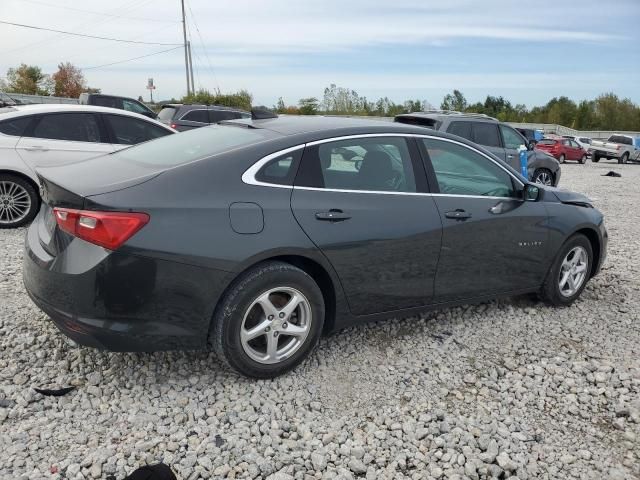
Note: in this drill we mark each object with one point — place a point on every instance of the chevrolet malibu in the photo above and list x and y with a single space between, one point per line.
254 237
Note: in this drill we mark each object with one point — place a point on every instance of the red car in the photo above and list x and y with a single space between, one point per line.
562 149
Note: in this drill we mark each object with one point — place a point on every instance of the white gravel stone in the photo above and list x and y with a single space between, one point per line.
509 388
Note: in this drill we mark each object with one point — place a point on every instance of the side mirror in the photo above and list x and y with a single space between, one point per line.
531 192
531 146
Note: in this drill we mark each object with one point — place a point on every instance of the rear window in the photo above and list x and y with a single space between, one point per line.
166 114
192 145
15 126
547 141
111 102
216 116
200 116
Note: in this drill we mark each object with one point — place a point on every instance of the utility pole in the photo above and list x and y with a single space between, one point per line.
186 54
193 84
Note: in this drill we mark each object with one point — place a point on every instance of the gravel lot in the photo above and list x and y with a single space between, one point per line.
506 389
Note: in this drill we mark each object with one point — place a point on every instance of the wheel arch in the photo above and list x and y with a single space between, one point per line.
328 284
594 240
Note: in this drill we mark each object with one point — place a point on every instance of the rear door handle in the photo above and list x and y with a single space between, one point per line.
333 215
36 148
458 214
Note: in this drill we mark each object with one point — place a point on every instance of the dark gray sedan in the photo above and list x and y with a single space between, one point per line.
255 237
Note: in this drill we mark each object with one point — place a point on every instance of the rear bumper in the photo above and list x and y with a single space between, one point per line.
121 302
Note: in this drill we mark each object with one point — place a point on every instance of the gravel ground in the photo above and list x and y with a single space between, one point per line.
509 389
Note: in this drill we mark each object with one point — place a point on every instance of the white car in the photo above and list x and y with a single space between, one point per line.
33 136
584 142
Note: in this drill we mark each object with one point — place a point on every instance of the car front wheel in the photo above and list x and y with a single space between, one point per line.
543 176
562 158
269 320
583 159
19 201
569 273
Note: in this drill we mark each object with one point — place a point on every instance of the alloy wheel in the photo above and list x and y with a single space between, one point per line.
573 271
15 202
276 325
544 178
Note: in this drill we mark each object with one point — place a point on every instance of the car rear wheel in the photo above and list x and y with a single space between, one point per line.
19 201
269 320
624 158
562 158
595 158
569 273
583 159
543 176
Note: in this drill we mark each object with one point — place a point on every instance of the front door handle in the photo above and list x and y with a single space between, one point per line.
333 215
36 148
458 214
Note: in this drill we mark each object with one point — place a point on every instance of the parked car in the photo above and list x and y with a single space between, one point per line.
256 240
114 101
532 136
584 142
563 149
623 148
33 136
499 138
186 117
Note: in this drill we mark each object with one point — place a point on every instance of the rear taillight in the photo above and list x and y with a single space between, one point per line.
107 229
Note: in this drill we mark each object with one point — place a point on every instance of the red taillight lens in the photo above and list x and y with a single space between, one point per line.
107 229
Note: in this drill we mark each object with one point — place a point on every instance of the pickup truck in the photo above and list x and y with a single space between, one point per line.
623 148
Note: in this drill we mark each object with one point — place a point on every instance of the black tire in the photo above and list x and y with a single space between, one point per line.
562 158
541 173
34 199
230 312
583 159
595 158
550 292
624 158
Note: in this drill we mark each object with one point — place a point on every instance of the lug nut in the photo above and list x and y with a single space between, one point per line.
284 325
268 329
281 315
275 334
270 317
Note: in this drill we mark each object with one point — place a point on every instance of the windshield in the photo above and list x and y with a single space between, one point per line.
193 145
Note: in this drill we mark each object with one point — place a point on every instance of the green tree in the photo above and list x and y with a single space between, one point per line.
308 106
454 101
241 99
28 79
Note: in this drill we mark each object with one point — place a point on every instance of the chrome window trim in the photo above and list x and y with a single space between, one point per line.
248 177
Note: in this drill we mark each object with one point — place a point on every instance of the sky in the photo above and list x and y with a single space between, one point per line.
527 52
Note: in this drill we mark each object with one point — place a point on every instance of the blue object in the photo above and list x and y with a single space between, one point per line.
524 163
538 135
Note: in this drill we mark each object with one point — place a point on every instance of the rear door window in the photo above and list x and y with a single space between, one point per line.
15 126
131 131
379 164
486 134
199 116
74 127
461 129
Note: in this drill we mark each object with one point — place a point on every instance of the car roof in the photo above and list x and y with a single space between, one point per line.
19 110
299 124
442 114
194 106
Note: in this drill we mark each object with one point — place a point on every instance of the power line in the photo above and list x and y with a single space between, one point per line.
204 49
87 36
135 58
93 12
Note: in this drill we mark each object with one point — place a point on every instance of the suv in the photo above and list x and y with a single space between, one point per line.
185 117
496 137
114 101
